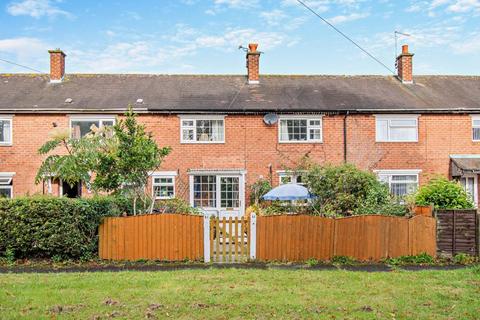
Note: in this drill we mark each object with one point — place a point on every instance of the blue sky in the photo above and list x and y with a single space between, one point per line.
202 36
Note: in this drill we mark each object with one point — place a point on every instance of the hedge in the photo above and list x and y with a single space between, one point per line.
58 228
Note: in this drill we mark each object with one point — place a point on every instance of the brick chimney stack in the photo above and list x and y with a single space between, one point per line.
253 64
405 65
57 65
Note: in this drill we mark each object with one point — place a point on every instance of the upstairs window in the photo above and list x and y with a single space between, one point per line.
202 130
400 183
81 126
163 186
5 131
6 189
296 129
397 128
476 128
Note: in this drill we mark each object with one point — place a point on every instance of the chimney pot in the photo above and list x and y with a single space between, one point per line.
405 65
57 65
253 64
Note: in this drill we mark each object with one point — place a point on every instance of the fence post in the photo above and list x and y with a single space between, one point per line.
206 238
253 236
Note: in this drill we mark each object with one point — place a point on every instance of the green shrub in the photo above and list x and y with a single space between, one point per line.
343 260
175 205
463 258
443 194
258 190
422 258
347 190
46 227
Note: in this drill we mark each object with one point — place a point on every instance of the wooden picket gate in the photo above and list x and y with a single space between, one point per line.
229 240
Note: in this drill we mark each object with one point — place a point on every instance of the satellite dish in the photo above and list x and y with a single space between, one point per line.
270 118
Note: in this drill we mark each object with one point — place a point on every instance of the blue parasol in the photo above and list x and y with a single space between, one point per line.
289 191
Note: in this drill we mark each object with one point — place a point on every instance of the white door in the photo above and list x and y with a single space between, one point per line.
218 195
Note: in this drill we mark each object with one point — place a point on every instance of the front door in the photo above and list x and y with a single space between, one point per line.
219 195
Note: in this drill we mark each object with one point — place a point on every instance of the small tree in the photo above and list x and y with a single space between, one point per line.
443 194
114 159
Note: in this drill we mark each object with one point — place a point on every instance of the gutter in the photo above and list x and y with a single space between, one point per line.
253 112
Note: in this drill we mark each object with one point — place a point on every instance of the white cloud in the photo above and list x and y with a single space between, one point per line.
274 17
236 3
232 38
23 46
468 46
36 9
347 18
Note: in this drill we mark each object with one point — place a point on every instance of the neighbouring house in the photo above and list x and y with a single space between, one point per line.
228 131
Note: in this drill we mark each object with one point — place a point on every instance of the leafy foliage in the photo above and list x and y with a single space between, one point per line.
175 205
347 190
114 159
422 258
258 190
46 227
443 194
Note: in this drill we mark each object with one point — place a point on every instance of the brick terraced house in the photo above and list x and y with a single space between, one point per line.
228 131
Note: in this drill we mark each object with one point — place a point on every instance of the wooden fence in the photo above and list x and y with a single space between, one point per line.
371 237
457 232
168 237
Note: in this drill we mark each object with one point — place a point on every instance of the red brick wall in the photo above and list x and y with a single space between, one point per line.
253 146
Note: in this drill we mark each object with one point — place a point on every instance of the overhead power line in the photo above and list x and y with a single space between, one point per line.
345 36
20 65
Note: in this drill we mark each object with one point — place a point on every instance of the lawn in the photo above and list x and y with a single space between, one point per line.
242 294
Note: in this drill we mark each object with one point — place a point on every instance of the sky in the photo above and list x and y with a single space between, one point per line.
203 36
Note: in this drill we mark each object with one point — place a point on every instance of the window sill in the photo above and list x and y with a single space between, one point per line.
6 144
202 142
403 141
301 142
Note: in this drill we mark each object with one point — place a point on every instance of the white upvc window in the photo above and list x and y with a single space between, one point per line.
82 125
202 129
6 130
400 182
6 188
285 177
396 128
476 128
300 129
470 183
163 185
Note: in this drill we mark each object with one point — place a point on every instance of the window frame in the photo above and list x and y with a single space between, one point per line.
475 118
8 185
165 174
292 174
9 119
196 118
99 118
309 127
395 172
390 118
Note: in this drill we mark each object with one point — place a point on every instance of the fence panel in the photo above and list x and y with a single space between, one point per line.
457 231
369 237
169 237
294 238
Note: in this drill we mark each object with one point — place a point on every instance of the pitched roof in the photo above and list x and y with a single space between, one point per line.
231 94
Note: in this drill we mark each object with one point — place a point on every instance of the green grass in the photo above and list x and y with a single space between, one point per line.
242 294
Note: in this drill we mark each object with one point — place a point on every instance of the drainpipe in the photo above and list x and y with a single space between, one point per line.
345 137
